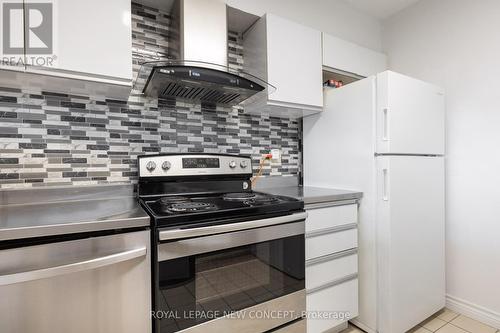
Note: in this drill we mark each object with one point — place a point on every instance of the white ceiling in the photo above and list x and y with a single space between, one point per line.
381 9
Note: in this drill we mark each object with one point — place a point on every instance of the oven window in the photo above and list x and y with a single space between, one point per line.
202 287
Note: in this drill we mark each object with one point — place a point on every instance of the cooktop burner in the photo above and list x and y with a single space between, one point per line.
172 200
239 196
190 207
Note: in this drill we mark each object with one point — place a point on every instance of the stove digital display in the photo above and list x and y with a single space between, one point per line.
200 163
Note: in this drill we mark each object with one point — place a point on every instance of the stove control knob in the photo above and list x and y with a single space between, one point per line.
232 164
151 166
243 164
166 165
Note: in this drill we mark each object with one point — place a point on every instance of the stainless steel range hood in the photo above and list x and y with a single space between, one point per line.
202 73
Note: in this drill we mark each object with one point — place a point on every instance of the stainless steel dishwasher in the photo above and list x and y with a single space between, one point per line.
98 284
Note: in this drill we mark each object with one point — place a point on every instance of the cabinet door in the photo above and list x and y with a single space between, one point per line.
352 58
294 62
410 116
11 35
92 38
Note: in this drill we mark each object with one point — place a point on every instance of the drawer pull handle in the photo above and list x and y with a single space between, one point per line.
332 283
332 256
331 230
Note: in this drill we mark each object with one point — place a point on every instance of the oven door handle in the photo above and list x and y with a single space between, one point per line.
223 228
186 247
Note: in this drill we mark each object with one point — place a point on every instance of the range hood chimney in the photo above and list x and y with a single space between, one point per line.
203 30
202 73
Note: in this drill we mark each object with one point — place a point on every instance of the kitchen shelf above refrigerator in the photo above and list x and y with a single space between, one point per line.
331 74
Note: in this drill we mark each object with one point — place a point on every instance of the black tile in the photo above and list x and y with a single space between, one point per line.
73 119
9 160
9 176
56 151
8 99
5 114
97 147
48 93
32 145
74 160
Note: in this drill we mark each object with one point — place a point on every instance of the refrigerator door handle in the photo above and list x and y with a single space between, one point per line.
385 124
385 175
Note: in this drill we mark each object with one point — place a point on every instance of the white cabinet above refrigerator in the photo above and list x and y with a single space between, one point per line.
288 56
341 55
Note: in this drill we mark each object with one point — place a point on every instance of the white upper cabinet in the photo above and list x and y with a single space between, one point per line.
288 56
71 46
294 62
351 58
11 35
92 39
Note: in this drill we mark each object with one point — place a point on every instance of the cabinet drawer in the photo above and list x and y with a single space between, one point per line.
321 245
329 217
326 269
330 307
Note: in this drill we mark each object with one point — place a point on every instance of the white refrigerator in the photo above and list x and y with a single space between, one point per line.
385 136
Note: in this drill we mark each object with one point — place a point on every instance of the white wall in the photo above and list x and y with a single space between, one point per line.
331 16
456 44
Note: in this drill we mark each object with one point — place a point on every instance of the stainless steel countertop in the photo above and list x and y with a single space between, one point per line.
66 211
314 195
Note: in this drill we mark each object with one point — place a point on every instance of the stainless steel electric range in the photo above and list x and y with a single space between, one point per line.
226 258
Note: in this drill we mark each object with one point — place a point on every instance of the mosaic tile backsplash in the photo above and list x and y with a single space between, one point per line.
48 138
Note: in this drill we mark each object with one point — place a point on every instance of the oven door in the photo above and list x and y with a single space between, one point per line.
249 280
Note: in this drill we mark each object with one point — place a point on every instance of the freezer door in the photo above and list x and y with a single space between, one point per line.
410 116
411 240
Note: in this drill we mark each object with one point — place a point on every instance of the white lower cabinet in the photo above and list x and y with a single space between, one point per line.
331 265
330 217
326 244
325 270
331 305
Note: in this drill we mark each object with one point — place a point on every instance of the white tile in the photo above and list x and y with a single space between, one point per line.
433 324
449 328
446 315
472 325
